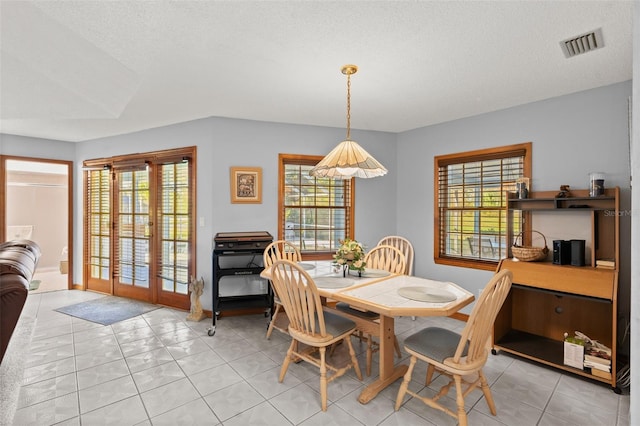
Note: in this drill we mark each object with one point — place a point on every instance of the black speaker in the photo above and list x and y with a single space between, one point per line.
561 252
577 252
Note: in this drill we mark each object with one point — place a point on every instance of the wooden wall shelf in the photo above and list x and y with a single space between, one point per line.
548 300
573 203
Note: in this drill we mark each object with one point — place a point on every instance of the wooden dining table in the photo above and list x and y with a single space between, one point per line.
377 292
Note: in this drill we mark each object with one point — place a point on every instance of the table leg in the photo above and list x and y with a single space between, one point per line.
388 373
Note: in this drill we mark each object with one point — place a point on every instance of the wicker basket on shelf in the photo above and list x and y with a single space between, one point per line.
529 253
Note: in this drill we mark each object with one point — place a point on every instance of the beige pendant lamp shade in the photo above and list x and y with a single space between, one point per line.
348 159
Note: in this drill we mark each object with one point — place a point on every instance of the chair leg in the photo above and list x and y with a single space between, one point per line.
430 370
397 346
287 360
323 378
462 414
354 359
405 383
487 392
273 320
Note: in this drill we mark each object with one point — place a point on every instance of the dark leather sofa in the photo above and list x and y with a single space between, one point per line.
18 261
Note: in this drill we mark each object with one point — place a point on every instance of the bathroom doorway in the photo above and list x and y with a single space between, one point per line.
36 200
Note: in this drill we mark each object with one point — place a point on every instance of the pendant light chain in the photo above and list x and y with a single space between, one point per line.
348 106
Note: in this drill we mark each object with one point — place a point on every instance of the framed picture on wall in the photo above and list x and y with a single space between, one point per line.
246 185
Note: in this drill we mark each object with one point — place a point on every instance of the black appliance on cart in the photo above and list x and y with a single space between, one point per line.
237 264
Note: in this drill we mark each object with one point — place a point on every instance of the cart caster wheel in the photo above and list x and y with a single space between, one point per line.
211 331
494 352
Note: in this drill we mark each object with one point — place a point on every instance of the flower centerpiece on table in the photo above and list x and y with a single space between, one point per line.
350 254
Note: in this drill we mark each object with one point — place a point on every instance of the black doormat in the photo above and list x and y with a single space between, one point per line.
107 310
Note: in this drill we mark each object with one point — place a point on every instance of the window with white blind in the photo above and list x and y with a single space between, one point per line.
98 213
175 216
470 199
313 213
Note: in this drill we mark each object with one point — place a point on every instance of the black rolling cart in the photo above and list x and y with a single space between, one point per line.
237 264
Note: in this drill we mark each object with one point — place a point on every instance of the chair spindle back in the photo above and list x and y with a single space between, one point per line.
477 332
404 246
300 299
387 258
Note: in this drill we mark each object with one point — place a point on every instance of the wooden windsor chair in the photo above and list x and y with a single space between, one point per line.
458 356
311 325
279 250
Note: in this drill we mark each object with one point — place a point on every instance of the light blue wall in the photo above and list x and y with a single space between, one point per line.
222 143
572 135
21 146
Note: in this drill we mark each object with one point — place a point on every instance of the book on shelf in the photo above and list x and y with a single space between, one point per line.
597 366
573 352
597 359
600 373
605 263
598 351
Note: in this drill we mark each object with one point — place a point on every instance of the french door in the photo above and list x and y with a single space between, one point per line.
133 225
139 226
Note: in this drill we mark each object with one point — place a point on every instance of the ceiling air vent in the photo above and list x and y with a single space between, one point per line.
583 43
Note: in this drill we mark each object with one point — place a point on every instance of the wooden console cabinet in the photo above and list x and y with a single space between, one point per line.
547 300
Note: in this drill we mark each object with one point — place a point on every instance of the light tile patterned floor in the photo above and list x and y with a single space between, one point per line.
159 369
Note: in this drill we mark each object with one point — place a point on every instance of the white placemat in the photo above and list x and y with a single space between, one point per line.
306 266
333 282
426 294
375 273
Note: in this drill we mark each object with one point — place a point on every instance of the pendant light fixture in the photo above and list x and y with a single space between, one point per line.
348 159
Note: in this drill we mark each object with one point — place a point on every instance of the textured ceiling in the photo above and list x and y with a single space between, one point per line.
80 70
